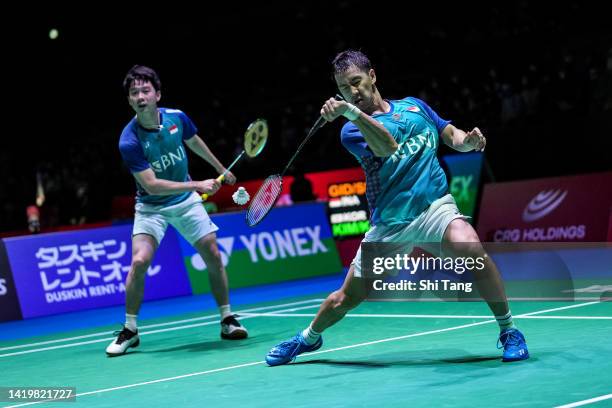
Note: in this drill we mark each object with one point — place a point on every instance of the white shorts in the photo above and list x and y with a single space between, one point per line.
189 218
428 227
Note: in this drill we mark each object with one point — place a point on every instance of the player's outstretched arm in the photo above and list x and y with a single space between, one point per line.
464 141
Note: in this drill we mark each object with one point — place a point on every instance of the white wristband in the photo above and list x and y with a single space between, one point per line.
352 113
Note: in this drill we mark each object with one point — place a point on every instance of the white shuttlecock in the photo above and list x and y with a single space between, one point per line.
241 197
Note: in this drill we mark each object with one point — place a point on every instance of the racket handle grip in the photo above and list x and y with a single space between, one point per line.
220 180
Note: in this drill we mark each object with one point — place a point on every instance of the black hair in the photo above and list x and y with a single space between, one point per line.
344 60
142 73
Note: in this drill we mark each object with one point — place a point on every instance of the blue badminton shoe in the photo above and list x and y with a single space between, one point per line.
513 343
287 351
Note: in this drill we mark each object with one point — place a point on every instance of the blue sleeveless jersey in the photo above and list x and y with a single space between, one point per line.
160 150
403 185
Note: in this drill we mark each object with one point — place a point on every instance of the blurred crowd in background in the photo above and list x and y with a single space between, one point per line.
535 78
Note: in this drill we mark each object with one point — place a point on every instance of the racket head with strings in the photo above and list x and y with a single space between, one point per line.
264 200
271 189
255 137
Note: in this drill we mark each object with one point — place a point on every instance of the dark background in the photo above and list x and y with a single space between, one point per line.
536 79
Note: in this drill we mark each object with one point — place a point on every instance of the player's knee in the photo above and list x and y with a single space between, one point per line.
212 257
462 240
470 236
140 264
213 252
459 231
335 298
207 247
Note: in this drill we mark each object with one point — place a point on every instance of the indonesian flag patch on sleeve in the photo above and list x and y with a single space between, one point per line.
173 129
413 109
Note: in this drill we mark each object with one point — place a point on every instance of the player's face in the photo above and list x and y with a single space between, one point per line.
143 96
357 87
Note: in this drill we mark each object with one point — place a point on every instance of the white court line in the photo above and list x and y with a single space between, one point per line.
585 402
407 336
445 330
209 323
569 317
272 314
557 308
412 316
105 333
511 299
525 315
189 326
122 387
316 352
556 299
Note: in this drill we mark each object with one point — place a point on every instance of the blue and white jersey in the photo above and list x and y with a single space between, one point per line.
161 150
403 185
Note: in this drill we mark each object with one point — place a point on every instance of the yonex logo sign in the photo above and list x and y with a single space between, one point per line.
294 242
543 204
269 246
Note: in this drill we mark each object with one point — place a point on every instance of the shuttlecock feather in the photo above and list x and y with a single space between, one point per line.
241 197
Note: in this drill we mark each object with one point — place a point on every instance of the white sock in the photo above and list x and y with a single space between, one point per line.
505 321
310 336
130 322
224 311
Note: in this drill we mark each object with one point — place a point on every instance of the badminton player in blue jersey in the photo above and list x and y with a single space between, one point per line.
395 141
153 148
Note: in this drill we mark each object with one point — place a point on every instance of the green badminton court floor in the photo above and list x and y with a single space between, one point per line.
385 354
